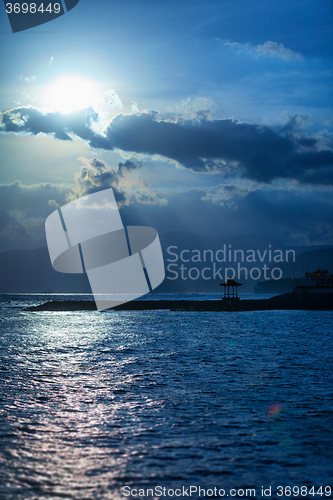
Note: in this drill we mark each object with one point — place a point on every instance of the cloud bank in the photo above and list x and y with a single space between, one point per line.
292 216
255 152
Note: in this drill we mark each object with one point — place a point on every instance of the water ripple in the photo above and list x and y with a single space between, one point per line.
91 402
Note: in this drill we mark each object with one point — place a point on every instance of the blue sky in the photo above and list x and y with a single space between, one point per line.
212 117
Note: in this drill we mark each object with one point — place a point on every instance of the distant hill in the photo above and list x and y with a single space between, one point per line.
264 250
305 262
309 261
245 241
31 270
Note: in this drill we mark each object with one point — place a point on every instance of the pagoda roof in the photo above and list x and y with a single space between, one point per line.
231 282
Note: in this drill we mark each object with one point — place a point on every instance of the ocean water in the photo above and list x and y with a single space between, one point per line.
121 404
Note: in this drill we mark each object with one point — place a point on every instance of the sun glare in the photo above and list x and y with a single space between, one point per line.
70 93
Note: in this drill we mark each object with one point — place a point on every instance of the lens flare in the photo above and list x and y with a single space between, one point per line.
274 410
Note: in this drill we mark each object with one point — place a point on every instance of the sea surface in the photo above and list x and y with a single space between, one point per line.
121 404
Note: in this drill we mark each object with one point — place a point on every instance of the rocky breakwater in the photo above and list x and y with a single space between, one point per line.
287 301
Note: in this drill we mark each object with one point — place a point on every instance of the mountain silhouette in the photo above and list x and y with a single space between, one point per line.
31 270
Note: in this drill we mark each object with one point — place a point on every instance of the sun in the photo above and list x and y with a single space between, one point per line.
70 93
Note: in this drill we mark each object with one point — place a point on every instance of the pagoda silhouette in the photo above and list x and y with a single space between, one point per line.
233 293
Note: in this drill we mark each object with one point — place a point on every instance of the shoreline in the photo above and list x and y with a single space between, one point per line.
286 301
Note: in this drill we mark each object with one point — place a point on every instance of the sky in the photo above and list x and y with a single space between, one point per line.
206 116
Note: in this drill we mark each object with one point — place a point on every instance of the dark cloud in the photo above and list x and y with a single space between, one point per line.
292 216
23 210
34 121
4 219
33 199
260 153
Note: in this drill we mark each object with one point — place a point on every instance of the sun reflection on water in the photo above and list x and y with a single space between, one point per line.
94 401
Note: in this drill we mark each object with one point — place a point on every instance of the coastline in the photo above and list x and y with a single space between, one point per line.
286 301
